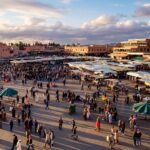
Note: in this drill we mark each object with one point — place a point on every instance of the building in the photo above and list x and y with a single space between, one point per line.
7 51
36 48
94 50
44 50
10 51
134 49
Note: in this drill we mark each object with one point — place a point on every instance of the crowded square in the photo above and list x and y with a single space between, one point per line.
61 105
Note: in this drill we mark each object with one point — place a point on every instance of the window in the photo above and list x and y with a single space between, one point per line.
11 51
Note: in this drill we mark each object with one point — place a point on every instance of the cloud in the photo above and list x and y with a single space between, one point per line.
67 1
100 21
143 10
59 32
34 21
30 7
129 24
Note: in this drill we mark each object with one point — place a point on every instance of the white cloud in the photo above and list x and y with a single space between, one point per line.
100 21
30 7
34 30
127 23
34 21
147 5
143 10
67 1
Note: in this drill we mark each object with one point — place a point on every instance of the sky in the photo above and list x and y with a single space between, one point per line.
74 21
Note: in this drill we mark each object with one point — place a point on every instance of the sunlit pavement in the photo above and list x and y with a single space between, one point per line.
89 139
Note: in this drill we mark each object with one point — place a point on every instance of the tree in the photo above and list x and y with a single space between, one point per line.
38 43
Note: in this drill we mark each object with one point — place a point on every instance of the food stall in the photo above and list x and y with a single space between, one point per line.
112 83
147 86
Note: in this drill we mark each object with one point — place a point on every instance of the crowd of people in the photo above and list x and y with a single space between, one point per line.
106 111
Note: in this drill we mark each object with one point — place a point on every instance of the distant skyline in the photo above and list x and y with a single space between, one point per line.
74 21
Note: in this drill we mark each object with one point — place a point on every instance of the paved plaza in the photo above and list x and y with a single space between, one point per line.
89 139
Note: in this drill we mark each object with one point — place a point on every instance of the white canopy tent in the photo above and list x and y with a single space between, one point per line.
134 74
139 74
93 66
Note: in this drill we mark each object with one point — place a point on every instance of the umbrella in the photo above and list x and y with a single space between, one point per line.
142 108
8 92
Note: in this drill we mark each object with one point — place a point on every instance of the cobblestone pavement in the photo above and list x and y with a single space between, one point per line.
89 139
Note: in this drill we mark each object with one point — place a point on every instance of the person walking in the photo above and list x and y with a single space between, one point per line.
116 137
35 126
14 112
85 113
27 132
138 137
57 95
75 136
98 124
17 99
110 118
123 126
30 147
73 124
15 140
135 137
47 139
26 124
119 125
29 140
131 122
52 137
30 124
110 139
48 97
88 114
82 86
64 81
112 130
47 89
60 123
40 128
11 125
22 99
46 103
19 145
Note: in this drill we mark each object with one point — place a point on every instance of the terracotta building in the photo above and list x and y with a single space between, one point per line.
44 50
10 51
132 49
88 50
37 48
5 51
